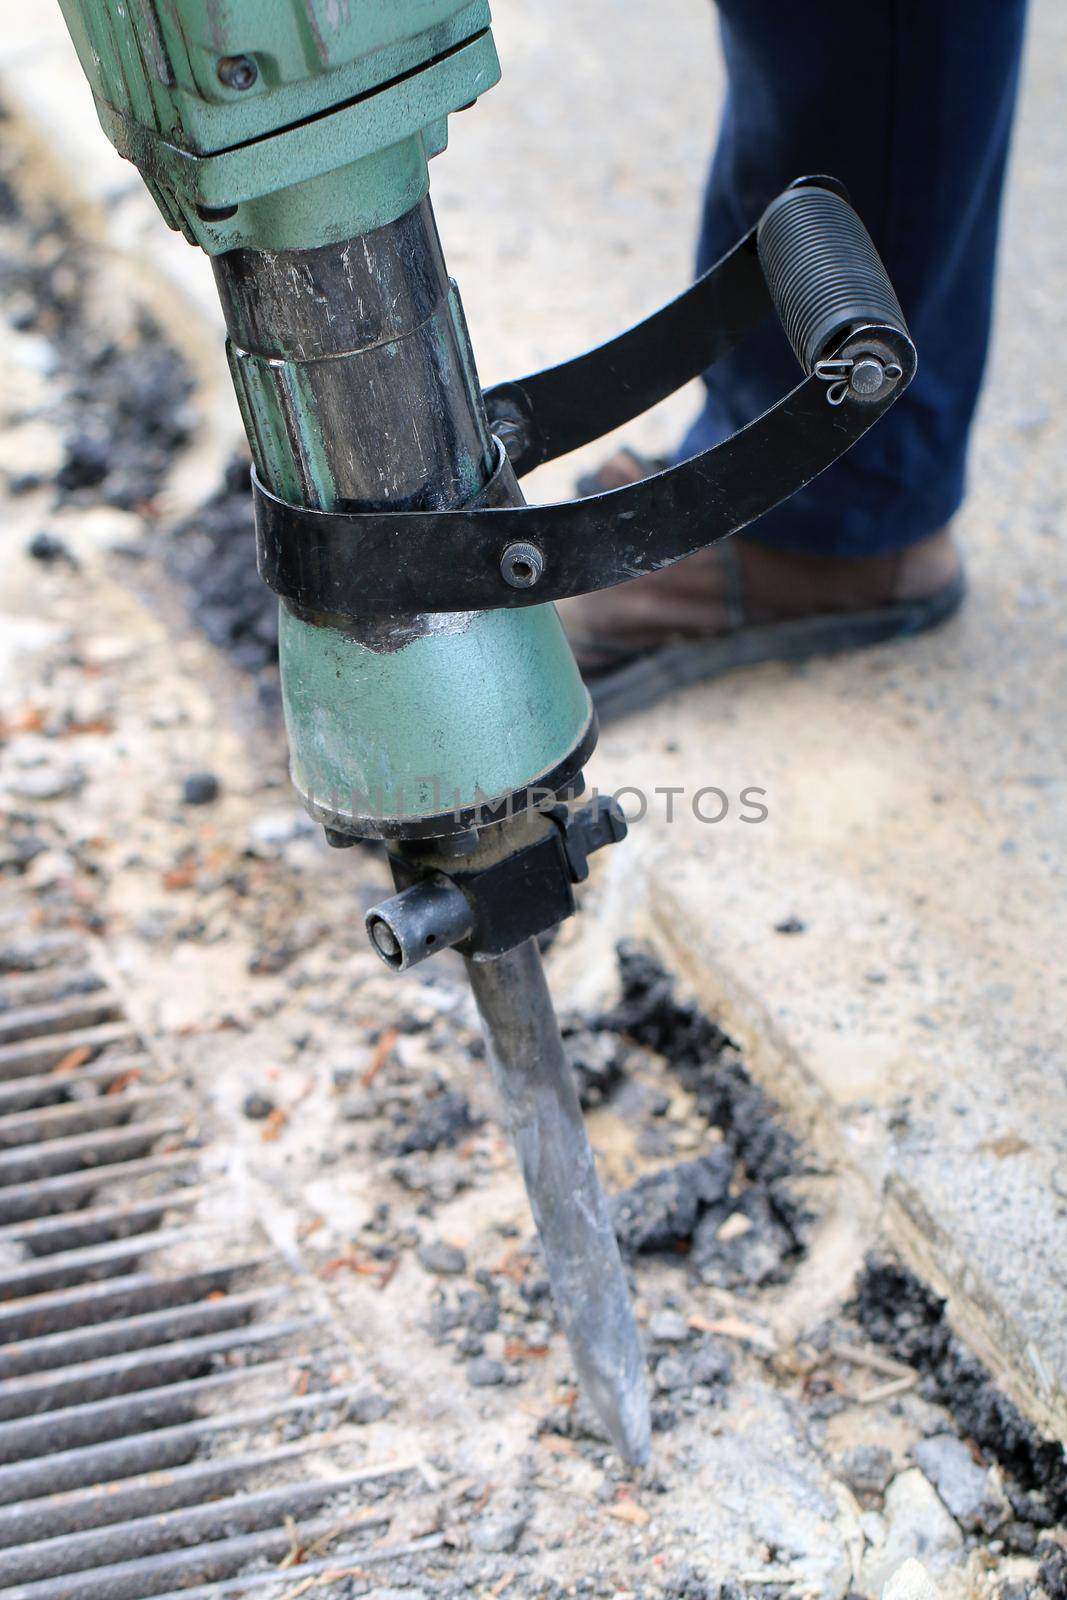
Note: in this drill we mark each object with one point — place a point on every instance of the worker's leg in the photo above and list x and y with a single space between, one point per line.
909 102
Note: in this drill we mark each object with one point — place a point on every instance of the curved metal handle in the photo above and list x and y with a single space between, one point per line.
811 259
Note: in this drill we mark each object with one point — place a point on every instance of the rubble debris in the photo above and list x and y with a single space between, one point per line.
49 549
1052 1573
867 1469
917 1525
46 781
257 1107
969 1490
366 1408
437 1120
200 789
910 1581
668 1327
709 1365
214 553
897 1311
596 1057
497 1535
483 1372
732 1212
444 1259
664 1207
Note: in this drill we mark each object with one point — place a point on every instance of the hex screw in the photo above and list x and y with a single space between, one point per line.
237 72
511 435
867 376
521 565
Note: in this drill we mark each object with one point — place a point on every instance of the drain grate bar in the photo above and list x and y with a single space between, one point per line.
66 1268
44 950
58 1156
141 1579
162 1448
151 1493
97 1420
50 1088
142 1369
95 1302
131 1333
191 1525
49 984
95 1225
48 1123
47 1195
292 1577
27 1057
60 1016
168 1404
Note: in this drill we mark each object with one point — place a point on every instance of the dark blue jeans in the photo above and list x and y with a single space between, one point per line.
910 103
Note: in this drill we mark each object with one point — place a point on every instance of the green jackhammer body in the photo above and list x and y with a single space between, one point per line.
290 139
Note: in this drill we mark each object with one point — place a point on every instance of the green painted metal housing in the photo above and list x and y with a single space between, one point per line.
345 103
453 719
349 101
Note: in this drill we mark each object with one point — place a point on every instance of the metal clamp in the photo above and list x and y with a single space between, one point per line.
487 556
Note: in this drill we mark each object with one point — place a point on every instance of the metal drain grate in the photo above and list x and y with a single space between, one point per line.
168 1422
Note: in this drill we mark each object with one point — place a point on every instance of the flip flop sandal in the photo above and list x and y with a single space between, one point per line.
632 681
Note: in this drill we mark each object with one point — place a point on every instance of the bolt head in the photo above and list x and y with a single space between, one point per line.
867 376
521 565
511 436
237 72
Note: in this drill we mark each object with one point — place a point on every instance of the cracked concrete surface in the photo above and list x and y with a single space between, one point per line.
916 795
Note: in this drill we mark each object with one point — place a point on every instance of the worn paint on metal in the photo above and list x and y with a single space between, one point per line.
350 100
480 707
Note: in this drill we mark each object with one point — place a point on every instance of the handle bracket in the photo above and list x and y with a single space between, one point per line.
846 327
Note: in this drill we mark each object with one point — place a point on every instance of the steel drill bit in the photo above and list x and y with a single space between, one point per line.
544 1118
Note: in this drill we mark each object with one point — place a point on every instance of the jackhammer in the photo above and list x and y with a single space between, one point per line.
431 698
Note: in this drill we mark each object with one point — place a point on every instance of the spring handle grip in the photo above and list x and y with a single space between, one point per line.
823 272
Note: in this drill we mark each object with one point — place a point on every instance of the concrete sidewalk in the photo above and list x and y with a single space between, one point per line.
888 943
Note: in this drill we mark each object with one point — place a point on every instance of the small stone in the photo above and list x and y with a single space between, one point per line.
672 1373
867 1469
668 1327
917 1524
86 463
789 925
910 1581
257 1107
200 788
970 1491
48 549
49 867
46 783
273 830
369 1407
711 1364
735 1227
485 1373
497 1534
360 1106
444 1259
